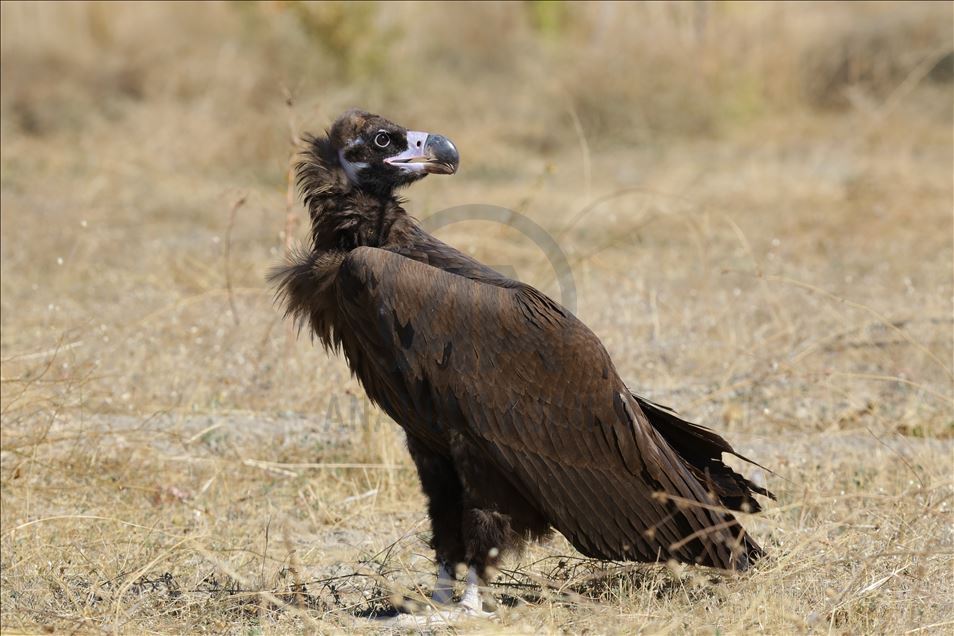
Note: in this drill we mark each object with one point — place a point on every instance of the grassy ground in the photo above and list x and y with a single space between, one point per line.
757 205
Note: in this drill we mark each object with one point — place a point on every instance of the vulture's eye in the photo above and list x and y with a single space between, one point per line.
382 140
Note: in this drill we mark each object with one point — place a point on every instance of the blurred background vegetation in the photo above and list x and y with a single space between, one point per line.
505 73
130 129
756 200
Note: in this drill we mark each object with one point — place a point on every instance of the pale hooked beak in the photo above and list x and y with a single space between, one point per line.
430 154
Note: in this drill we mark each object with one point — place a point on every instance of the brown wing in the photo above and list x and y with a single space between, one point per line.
534 389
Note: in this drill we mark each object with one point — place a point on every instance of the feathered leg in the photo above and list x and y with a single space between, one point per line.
444 494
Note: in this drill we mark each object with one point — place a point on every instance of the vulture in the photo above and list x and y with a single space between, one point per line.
516 418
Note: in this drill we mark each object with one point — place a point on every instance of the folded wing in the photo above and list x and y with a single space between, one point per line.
535 393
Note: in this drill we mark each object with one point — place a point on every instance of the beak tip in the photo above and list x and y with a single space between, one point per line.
443 152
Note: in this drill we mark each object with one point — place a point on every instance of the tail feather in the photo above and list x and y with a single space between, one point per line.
702 450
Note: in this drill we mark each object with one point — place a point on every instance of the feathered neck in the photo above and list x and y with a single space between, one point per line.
343 216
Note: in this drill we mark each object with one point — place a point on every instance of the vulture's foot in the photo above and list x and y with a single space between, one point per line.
471 602
444 588
443 612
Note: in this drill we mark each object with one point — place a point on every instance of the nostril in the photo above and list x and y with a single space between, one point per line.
419 143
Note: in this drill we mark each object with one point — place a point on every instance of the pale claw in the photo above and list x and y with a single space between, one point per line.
471 605
471 599
433 618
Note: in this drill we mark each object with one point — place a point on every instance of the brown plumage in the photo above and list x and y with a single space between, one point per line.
515 415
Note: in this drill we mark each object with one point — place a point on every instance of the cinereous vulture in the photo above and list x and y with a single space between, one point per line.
515 416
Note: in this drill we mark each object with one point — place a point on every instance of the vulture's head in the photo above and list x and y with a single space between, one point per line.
377 155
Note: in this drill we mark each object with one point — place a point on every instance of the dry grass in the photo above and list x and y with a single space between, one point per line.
757 203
